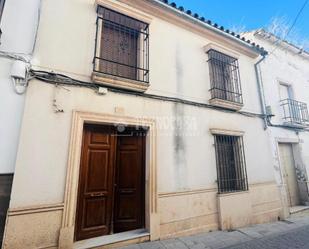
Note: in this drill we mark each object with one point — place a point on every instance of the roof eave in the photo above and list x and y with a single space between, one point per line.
214 28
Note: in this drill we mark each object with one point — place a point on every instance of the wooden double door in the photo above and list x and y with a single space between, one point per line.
111 195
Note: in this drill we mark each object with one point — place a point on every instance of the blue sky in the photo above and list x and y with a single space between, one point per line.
248 15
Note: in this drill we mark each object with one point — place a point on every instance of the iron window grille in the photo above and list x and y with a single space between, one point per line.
231 165
295 112
224 77
122 46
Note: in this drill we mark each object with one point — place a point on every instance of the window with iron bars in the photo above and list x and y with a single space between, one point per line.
122 46
231 165
224 77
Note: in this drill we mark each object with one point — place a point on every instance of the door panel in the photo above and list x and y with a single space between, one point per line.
130 181
289 173
95 196
95 212
111 194
98 165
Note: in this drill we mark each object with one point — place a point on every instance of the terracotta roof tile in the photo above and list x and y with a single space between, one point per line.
209 22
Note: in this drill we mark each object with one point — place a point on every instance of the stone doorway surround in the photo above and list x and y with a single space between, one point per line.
298 162
66 237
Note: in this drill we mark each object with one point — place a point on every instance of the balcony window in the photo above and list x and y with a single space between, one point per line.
122 46
231 166
294 112
224 77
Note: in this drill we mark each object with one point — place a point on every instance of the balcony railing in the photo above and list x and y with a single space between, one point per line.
295 112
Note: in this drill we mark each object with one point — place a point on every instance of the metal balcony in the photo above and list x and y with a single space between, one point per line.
295 113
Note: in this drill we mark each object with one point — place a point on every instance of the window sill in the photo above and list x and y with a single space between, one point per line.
295 125
239 192
118 82
226 104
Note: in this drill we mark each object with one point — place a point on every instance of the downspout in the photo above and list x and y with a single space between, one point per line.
267 122
261 90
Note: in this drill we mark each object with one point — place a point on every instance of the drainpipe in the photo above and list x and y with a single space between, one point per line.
261 90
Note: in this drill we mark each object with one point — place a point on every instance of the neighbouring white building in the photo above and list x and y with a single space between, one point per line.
18 22
285 83
142 121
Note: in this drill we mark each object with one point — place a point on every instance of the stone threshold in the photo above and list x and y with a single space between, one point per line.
110 239
298 209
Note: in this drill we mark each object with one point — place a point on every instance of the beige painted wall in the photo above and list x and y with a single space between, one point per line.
178 68
186 164
43 149
262 204
36 227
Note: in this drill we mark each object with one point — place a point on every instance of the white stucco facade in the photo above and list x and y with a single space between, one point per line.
183 175
285 65
18 36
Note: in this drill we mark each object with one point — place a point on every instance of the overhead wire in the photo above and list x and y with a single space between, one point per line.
276 44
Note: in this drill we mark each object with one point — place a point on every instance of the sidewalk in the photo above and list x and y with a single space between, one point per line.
291 233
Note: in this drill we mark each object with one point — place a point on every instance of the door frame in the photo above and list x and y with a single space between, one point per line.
282 186
298 162
79 118
293 141
283 170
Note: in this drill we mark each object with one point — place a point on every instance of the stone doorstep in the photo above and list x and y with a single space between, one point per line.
110 239
298 209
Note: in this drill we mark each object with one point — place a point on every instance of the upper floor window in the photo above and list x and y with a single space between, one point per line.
224 77
231 165
286 91
122 46
294 112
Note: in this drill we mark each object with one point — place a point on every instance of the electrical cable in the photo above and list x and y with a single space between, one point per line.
60 79
290 29
297 16
15 56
